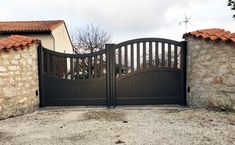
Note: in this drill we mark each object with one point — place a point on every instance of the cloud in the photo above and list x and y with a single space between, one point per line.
4 14
125 19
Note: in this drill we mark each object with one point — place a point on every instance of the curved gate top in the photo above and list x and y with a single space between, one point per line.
134 72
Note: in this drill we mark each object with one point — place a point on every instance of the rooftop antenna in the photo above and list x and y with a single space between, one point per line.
186 22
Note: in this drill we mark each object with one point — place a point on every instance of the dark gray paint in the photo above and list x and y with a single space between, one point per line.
154 84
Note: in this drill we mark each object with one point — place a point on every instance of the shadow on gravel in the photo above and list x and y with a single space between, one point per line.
104 115
167 111
6 136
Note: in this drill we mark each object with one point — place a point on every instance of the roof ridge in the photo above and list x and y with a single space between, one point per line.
17 41
32 21
28 26
213 34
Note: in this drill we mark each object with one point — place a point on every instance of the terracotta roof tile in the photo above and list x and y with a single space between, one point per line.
16 42
18 26
212 34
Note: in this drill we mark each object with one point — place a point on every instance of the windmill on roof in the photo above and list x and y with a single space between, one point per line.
186 22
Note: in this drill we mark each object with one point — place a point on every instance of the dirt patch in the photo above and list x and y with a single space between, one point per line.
104 115
167 111
5 136
73 138
2 134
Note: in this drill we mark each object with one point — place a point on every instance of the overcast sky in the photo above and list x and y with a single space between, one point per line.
125 19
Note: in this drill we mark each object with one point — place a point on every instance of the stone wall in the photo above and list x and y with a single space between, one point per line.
211 74
18 81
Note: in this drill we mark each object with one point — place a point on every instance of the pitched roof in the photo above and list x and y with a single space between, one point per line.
29 26
17 42
212 34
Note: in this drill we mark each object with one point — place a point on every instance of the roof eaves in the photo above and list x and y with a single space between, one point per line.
60 22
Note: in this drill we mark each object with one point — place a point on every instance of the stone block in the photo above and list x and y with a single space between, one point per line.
3 69
22 62
5 74
17 56
233 65
218 80
230 80
1 100
6 55
22 100
29 61
233 107
18 78
1 82
226 89
223 68
196 46
8 92
12 82
12 68
5 62
15 62
18 72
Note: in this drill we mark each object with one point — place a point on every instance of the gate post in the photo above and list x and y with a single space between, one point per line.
110 75
183 65
40 75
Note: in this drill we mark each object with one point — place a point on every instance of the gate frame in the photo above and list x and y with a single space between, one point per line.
41 75
111 101
110 76
111 79
183 72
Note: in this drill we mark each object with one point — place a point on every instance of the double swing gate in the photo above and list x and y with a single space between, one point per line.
137 72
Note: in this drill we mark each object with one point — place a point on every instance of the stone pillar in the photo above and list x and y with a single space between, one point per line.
18 81
210 74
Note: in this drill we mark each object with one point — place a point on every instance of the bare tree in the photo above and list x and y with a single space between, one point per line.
89 39
231 4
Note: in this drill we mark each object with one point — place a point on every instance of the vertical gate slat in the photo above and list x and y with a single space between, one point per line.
150 55
101 65
163 54
138 56
175 56
71 68
156 55
132 58
120 61
144 55
126 61
60 66
77 68
89 67
51 65
55 65
83 68
95 66
65 68
48 63
169 55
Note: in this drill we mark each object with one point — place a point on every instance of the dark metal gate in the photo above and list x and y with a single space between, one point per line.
135 72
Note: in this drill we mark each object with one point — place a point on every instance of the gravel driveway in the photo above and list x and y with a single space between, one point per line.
148 125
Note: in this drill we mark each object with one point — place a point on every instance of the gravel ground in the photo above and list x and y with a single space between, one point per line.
123 125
